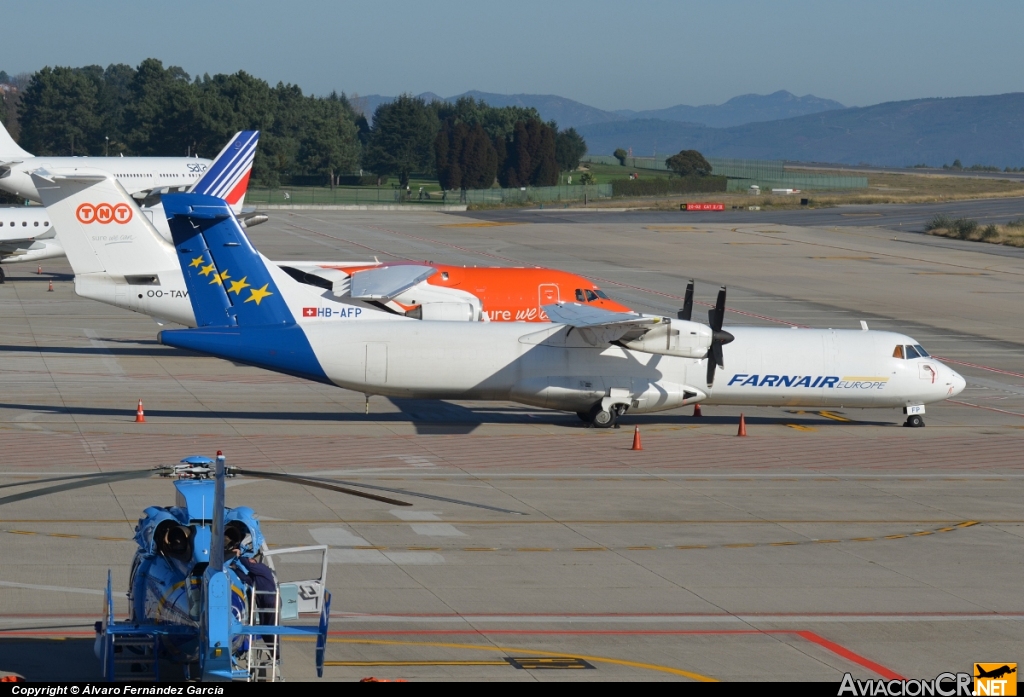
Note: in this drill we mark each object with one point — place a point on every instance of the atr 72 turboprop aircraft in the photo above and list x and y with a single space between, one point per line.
26 233
590 361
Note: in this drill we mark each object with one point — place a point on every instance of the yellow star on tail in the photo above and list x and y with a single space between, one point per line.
207 270
197 261
220 277
237 286
258 294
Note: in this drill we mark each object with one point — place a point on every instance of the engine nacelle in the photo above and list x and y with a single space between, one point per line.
37 251
445 312
674 338
580 393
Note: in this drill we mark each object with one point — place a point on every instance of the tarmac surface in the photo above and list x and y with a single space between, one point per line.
824 542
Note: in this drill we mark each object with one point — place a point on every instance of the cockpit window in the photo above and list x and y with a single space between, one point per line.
579 296
591 297
601 294
920 350
897 352
912 352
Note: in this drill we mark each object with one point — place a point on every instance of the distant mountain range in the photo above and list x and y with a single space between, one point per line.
986 130
976 130
747 108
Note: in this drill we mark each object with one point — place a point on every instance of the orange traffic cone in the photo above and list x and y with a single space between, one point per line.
140 416
39 270
636 439
696 410
743 427
50 289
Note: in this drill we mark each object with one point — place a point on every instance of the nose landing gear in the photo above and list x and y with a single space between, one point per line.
914 421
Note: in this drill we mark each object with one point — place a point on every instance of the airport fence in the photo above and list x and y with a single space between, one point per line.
742 174
303 195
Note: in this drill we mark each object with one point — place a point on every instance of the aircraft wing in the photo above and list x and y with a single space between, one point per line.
385 282
606 326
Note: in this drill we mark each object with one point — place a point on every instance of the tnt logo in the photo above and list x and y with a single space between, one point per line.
103 213
995 679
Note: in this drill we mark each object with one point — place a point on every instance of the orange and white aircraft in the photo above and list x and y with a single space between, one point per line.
455 293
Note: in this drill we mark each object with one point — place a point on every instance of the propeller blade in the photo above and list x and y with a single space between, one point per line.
711 369
424 496
687 311
716 354
719 310
319 484
85 481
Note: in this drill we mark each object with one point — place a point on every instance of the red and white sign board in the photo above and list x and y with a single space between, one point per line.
702 206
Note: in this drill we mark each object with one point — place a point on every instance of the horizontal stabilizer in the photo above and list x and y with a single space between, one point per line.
386 282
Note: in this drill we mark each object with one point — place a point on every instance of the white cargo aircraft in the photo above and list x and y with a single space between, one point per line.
595 363
26 234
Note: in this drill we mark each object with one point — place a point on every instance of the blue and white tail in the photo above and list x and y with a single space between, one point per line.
228 176
229 282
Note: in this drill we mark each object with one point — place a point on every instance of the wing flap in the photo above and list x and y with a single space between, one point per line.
385 282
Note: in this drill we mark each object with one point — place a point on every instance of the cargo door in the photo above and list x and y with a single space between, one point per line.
376 363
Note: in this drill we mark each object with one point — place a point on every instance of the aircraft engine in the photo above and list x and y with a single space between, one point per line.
37 251
253 220
674 338
445 312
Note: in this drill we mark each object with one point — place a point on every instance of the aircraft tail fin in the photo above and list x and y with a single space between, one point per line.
9 150
238 297
229 282
228 176
100 226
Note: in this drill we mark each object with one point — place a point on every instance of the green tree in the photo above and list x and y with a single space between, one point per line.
465 156
530 159
59 114
689 163
569 149
164 116
621 156
402 138
330 141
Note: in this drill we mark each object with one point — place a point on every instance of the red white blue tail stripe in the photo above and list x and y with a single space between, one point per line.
228 176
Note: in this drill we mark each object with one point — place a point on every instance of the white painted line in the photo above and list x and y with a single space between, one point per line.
60 589
351 618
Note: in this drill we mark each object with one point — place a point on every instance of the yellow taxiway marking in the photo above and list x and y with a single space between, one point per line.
673 228
800 427
404 664
482 223
834 417
519 651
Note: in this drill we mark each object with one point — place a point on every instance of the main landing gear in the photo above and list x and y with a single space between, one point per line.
599 417
3 276
914 421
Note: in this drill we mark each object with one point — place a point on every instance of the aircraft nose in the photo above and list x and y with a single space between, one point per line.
957 382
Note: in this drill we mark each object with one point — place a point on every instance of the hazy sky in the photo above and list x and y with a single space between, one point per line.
612 54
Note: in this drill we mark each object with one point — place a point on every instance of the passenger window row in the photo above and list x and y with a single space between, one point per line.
46 223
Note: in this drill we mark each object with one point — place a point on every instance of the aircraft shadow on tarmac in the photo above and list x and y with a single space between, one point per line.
49 660
45 277
88 350
437 417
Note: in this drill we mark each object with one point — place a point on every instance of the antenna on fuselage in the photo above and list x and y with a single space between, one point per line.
217 537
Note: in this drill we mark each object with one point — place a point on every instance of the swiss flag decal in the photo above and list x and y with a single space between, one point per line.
309 312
